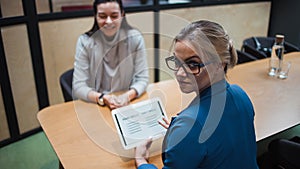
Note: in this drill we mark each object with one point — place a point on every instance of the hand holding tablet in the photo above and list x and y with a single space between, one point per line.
139 121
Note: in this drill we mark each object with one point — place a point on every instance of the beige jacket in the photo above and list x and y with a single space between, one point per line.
88 66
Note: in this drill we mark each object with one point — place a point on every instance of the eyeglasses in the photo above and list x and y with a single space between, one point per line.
189 67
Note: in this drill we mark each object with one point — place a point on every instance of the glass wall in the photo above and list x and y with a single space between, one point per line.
10 8
43 6
245 22
19 65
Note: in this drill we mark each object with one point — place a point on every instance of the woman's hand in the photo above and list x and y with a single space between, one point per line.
113 101
142 152
110 101
122 100
165 123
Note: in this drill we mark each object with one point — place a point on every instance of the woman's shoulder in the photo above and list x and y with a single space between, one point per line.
87 40
134 33
237 90
134 37
83 36
239 96
93 36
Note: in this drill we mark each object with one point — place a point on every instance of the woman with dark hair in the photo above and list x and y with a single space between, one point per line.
216 130
110 58
96 26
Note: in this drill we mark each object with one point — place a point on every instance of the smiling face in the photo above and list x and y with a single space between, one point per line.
189 82
109 17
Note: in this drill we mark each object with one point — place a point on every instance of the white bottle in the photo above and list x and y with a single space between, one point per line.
276 55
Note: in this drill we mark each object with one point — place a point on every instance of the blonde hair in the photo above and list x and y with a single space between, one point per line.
207 35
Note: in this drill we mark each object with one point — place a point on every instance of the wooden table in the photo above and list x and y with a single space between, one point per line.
83 135
276 102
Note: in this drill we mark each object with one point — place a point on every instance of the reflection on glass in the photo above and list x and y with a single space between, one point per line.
11 8
132 3
71 5
67 5
77 5
173 1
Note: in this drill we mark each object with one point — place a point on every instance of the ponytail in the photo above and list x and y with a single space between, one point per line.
233 55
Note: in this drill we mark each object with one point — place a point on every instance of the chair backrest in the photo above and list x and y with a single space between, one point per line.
66 84
253 51
288 47
261 47
244 57
262 44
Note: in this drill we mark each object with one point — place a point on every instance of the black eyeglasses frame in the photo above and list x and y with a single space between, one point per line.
174 59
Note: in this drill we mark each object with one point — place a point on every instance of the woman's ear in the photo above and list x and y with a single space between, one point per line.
220 66
223 65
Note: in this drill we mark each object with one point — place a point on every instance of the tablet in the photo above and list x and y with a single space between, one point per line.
139 121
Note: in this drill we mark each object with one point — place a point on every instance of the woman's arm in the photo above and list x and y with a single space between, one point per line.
181 149
141 74
142 155
81 75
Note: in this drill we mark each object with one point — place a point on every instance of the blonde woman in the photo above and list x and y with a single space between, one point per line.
216 130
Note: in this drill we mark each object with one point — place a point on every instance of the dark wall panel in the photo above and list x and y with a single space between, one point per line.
285 20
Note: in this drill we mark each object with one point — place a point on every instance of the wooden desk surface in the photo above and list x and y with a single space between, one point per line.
83 135
276 102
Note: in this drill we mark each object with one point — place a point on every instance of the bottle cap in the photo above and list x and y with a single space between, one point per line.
279 38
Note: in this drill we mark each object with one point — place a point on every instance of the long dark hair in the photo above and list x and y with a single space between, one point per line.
95 27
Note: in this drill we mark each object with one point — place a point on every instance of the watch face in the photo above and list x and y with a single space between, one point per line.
101 101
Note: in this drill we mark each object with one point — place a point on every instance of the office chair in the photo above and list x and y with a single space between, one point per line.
261 47
244 57
66 84
285 153
282 154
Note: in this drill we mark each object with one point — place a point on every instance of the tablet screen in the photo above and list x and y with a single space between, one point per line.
139 121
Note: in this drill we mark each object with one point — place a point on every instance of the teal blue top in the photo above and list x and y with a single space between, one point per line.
215 131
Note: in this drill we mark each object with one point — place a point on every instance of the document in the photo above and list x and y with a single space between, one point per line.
137 122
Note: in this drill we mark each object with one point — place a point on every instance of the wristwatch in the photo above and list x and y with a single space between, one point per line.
100 100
